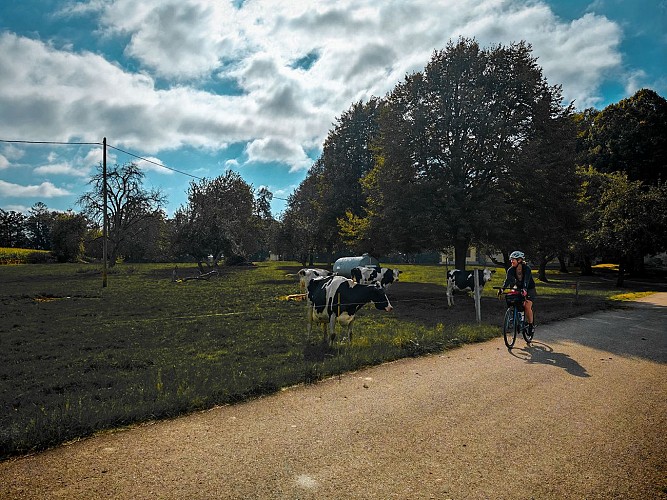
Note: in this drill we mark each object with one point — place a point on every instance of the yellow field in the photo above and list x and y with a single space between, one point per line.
17 255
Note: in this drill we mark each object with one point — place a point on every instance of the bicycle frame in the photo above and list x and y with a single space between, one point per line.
515 322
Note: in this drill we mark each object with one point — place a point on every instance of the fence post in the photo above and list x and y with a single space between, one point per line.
478 298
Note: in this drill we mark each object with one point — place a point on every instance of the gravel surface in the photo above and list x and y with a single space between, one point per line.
579 414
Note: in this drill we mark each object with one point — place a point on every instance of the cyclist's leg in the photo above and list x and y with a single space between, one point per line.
530 313
528 308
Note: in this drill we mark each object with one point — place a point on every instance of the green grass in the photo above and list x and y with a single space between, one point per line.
77 358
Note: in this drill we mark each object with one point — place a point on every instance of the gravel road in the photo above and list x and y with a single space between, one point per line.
582 413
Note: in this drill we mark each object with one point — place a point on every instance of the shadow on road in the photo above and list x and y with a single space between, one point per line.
539 352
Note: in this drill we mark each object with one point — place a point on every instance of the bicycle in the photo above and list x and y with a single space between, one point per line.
514 321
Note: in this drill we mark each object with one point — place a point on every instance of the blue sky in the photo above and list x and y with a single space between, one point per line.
203 86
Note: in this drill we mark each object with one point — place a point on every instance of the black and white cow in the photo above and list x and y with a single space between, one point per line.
367 275
458 279
306 274
337 299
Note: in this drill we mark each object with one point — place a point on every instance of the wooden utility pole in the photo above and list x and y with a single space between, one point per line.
104 208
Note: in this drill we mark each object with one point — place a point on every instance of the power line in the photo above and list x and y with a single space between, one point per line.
63 143
154 162
69 143
53 142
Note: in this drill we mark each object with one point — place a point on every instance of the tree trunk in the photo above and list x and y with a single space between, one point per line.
460 252
561 262
621 272
586 267
542 273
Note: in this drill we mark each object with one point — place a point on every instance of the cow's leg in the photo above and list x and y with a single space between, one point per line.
450 295
309 317
332 328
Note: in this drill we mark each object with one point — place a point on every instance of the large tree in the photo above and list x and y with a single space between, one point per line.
38 226
12 228
129 204
540 213
629 136
67 234
347 156
218 219
299 233
448 136
624 219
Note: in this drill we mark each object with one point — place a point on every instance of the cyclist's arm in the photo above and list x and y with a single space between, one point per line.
508 278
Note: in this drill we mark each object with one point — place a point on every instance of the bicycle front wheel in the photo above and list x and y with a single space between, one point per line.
509 328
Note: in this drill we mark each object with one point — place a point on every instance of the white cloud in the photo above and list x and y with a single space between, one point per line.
43 190
4 162
154 165
12 152
63 168
274 149
360 48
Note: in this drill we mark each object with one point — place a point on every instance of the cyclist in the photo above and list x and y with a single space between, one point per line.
519 275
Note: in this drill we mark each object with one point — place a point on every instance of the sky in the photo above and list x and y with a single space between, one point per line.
189 89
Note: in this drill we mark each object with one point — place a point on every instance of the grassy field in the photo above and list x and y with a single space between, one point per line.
76 358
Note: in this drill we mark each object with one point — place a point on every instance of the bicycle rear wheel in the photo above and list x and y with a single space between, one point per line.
509 328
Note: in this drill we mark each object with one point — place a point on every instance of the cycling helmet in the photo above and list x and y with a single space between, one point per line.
517 254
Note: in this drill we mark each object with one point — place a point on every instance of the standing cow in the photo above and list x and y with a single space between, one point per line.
307 274
337 299
458 279
367 275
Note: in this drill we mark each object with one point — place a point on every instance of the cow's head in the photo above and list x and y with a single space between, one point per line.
388 276
486 275
379 298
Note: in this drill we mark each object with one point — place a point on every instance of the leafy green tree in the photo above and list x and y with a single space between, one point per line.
38 226
624 219
12 229
218 219
346 157
67 235
299 234
448 137
541 214
129 205
149 242
629 136
263 222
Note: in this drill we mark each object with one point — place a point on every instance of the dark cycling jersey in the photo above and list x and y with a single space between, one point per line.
527 283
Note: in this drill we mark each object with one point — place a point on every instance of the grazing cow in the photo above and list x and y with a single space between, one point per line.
307 274
465 281
367 275
337 299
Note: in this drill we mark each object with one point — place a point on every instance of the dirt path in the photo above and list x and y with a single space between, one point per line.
580 414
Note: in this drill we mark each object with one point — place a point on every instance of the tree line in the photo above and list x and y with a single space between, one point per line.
475 150
224 219
478 150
